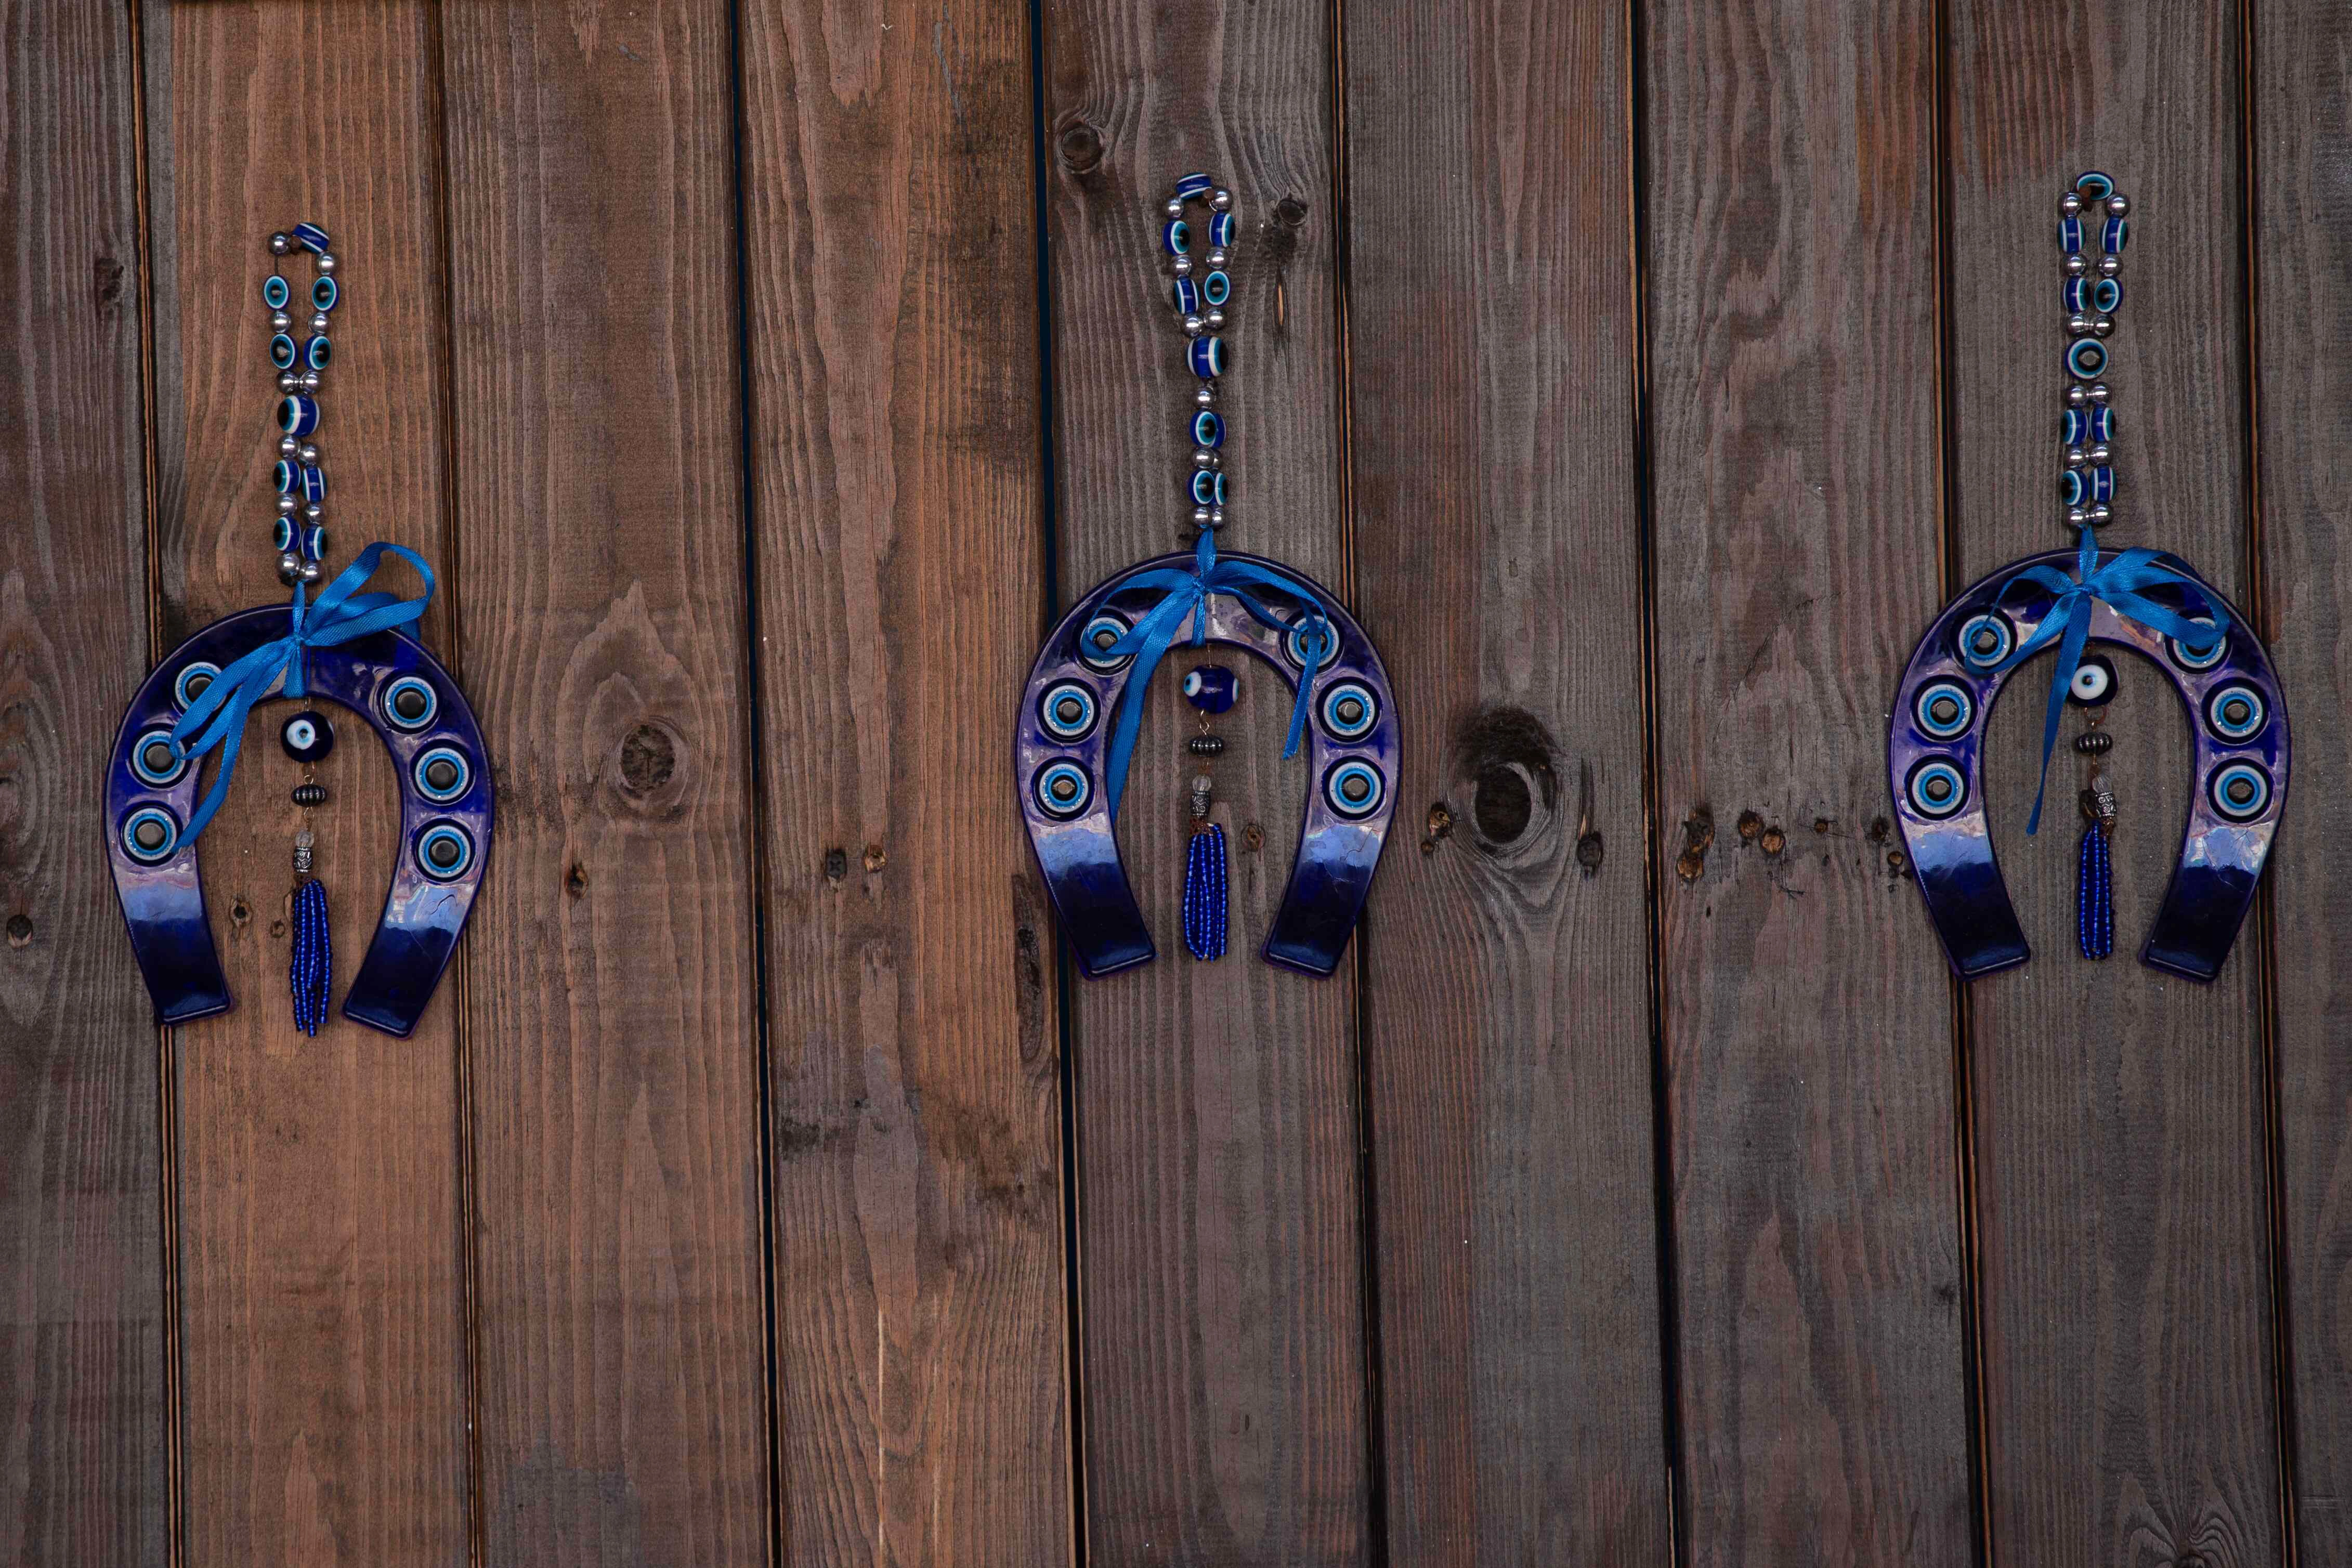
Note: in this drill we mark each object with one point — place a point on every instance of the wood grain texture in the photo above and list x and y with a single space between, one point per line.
2128 1405
2302 252
1220 1278
82 1377
597 411
1807 1019
1508 991
897 485
323 1326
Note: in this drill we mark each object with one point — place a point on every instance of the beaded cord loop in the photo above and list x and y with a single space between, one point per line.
1201 302
299 535
2090 293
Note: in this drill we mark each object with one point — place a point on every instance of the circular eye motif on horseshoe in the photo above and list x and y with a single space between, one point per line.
443 851
1350 711
1098 635
1068 710
1944 709
410 703
1062 790
1935 789
2094 685
2241 792
2236 713
157 761
1294 646
1985 640
442 775
2189 660
1354 789
190 683
2086 357
150 835
308 737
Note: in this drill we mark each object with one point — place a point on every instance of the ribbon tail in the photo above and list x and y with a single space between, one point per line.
2070 654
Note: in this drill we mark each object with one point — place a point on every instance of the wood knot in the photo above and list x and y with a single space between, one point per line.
1252 837
874 858
1698 838
1506 756
20 929
648 759
1081 147
1772 841
1289 211
106 281
1587 852
1751 825
836 865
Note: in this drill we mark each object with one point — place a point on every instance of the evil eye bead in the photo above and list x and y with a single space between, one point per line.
1944 709
2189 658
2070 234
1310 636
1062 790
1220 230
1100 636
2093 185
275 292
2112 238
2107 294
157 759
2074 426
287 477
2086 357
2094 685
307 736
282 352
410 703
1208 357
444 851
1209 688
2070 487
310 238
150 835
282 535
2071 294
1208 486
2236 713
1195 184
2102 485
298 415
1188 297
442 774
324 293
1986 640
2240 792
316 351
1208 430
1354 789
1176 237
190 683
1935 789
314 542
1069 711
2101 418
1350 711
1216 288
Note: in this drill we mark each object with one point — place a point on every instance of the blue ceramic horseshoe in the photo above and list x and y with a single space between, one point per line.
1934 763
1066 715
416 708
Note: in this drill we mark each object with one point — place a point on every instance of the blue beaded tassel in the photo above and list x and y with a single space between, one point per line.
2095 893
311 972
1205 894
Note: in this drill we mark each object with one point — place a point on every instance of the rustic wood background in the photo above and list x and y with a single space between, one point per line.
763 375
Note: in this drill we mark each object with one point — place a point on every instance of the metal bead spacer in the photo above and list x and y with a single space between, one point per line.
1216 258
314 512
2098 391
2075 457
307 452
1204 458
1172 207
319 323
1221 200
2078 325
280 321
288 380
310 794
1194 326
311 572
280 243
2110 264
2075 264
1206 746
1216 517
287 506
2101 515
1205 394
2102 325
2095 742
290 569
1216 319
309 381
2076 517
1201 517
288 446
326 262
2117 204
2075 395
2099 455
1182 266
2071 203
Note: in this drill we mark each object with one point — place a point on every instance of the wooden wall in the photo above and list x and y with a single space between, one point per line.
763 376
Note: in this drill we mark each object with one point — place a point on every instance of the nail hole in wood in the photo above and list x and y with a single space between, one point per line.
20 930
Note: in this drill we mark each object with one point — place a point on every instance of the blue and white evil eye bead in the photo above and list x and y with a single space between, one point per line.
157 759
310 238
2086 357
2106 294
1211 688
190 683
2093 684
2073 427
2240 792
314 542
1216 288
282 352
1176 237
1354 789
308 737
1985 640
314 482
1188 297
150 835
2093 186
2102 485
1935 789
1350 711
286 476
2070 487
2112 238
315 351
1310 635
1195 184
1208 357
297 414
1068 710
410 703
324 293
2070 235
1097 638
2071 293
1062 789
2191 658
1208 486
2236 713
1221 229
442 774
276 292
1208 430
443 851
2102 422
1944 709
281 534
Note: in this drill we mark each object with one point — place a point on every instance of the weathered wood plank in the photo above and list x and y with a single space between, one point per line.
611 1004
82 1378
1220 1281
322 1309
1807 1018
1499 550
2119 1143
898 489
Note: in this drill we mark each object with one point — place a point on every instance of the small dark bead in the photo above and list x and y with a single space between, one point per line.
1205 745
310 794
2091 742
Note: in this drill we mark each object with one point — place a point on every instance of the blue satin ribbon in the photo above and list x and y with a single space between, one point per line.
2118 586
216 718
1188 594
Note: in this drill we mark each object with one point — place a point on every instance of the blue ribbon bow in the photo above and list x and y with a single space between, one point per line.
216 718
1188 594
2118 586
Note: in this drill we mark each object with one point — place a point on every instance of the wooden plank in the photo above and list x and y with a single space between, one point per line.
83 1411
322 1302
1508 988
1219 1279
613 1000
2119 1141
897 485
1794 456
2303 256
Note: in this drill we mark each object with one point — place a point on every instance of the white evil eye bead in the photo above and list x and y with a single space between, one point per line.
2241 792
442 774
324 293
315 353
1354 789
2093 684
1176 237
443 851
156 758
314 485
282 352
1935 789
1067 710
1188 297
1309 636
410 703
314 542
1062 790
1208 430
1216 288
1350 711
275 292
1208 486
150 835
297 414
190 683
2107 295
1944 709
2191 658
1098 637
1220 230
2236 713
286 475
1208 357
1985 640
2086 357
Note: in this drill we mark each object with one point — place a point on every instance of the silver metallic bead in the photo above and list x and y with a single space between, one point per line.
2110 264
287 506
1194 326
2117 204
2078 325
306 451
2070 204
1182 266
1216 257
2100 326
2075 457
1216 319
2075 264
2100 514
280 243
326 261
1205 457
2100 456
288 446
309 381
288 380
290 568
280 321
1221 201
2076 517
314 512
1200 516
2098 391
2075 395
1216 517
319 323
311 572
1175 206
1205 394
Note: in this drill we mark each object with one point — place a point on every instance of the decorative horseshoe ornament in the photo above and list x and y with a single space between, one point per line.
1935 758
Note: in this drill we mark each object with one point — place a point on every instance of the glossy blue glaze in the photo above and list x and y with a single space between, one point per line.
1209 688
